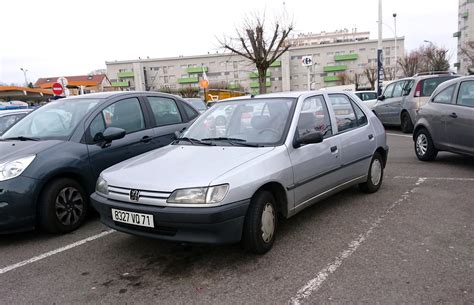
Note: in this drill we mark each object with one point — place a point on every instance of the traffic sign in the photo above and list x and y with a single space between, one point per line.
307 61
57 89
203 83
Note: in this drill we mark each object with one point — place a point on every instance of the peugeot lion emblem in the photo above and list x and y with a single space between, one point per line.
134 195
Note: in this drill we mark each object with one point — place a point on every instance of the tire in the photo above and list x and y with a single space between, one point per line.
258 238
406 124
424 147
375 175
62 206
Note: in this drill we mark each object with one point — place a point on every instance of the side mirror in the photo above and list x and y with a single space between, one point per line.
310 138
177 133
110 134
381 97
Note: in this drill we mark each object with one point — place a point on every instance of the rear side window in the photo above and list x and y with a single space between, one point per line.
429 85
190 112
361 117
314 117
345 115
9 120
164 110
466 94
388 91
398 89
445 96
126 114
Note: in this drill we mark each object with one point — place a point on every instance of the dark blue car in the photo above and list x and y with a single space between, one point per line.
50 160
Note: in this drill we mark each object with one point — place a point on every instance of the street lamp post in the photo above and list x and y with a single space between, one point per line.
24 74
395 34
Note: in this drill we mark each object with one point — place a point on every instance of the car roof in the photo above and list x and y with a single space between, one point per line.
112 94
287 94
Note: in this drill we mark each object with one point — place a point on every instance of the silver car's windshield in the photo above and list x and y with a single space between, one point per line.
56 120
252 121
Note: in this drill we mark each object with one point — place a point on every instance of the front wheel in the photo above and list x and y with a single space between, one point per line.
375 175
424 147
260 223
62 206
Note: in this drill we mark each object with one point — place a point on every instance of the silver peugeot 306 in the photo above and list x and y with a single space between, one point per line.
244 164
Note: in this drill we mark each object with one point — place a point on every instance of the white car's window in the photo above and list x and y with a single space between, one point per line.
466 94
445 96
314 117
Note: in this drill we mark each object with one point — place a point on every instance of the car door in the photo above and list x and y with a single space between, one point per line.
129 115
437 114
168 116
382 107
460 119
314 165
394 104
355 136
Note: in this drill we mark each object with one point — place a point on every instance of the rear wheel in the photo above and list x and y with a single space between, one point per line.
62 206
375 175
260 223
424 147
406 124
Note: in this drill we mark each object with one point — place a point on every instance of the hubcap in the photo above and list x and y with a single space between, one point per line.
421 144
268 223
69 206
376 172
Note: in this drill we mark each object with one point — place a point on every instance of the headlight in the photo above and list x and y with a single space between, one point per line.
12 169
212 194
101 186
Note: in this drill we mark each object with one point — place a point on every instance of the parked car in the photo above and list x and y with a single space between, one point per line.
401 99
368 97
278 154
10 117
50 160
197 103
447 121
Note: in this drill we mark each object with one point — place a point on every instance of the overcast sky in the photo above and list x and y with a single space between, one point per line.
53 38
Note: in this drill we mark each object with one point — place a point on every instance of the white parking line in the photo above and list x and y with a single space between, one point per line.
53 252
435 178
314 284
399 135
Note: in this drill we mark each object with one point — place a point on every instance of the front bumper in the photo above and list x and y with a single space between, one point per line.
17 204
213 225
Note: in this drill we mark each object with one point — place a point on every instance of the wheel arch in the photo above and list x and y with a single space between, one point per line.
383 153
280 195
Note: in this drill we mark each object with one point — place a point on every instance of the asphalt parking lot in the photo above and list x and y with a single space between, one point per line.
411 242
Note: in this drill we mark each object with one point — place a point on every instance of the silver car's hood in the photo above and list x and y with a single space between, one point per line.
179 166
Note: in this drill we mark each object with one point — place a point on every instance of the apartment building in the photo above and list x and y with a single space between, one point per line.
333 54
465 34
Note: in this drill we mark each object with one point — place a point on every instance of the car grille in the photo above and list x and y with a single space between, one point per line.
146 197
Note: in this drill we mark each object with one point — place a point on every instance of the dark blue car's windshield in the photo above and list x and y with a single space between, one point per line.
56 120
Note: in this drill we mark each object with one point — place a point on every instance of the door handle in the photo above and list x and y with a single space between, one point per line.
371 136
146 139
453 115
333 148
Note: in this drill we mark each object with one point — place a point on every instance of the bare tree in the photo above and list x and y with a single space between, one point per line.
357 80
188 92
371 75
436 58
468 51
389 73
410 63
344 79
260 45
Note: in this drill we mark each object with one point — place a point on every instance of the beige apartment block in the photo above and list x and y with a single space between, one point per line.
465 33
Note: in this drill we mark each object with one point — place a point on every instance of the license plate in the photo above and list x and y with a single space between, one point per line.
138 219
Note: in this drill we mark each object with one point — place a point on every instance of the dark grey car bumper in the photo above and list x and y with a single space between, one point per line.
214 225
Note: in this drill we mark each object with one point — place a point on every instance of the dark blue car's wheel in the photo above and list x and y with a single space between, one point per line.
62 206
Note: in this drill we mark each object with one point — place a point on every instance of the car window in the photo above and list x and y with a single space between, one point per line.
345 116
388 91
125 114
407 87
361 117
190 112
9 120
314 117
445 96
429 85
164 110
398 89
466 94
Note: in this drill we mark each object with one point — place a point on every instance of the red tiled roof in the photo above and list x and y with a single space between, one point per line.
79 80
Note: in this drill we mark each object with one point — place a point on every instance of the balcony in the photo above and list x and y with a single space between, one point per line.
335 68
332 78
188 80
457 64
256 85
465 14
346 57
125 74
196 69
120 84
457 34
255 74
276 63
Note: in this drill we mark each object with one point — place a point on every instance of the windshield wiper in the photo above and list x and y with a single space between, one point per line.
192 141
20 138
233 141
